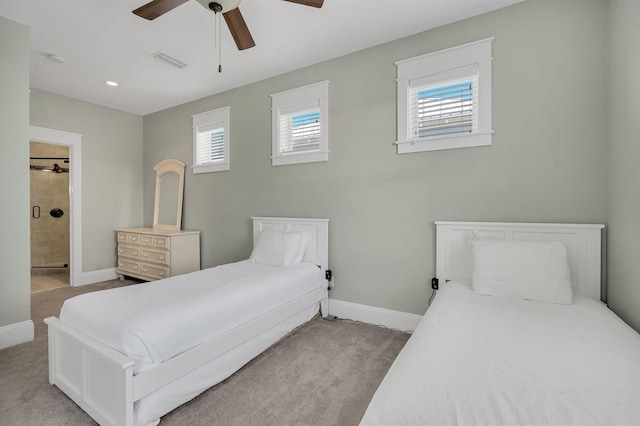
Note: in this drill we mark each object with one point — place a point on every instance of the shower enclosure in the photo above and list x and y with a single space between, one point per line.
49 176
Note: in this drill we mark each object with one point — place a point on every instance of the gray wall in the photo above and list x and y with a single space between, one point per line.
547 162
111 169
624 199
14 173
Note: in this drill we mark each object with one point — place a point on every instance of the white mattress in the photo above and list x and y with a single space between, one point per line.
155 321
489 360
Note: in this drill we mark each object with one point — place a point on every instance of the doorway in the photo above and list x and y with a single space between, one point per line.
73 142
50 226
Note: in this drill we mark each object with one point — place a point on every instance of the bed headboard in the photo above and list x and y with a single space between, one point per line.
317 231
583 244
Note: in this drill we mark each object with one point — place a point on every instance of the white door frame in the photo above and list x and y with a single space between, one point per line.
74 142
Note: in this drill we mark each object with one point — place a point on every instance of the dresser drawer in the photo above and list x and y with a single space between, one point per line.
162 242
128 251
126 237
125 265
155 256
146 240
155 241
154 271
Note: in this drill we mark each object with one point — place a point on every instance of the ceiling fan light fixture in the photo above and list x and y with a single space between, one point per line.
224 5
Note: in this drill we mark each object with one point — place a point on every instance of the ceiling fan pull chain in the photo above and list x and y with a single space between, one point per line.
219 45
218 38
215 30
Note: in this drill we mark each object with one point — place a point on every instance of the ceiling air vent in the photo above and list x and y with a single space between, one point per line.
168 59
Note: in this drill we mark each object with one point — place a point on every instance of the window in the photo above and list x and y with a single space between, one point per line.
299 125
211 141
444 99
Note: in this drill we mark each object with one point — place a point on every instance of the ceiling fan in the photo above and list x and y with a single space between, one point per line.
229 9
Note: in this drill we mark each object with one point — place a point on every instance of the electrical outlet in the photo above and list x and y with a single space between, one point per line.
434 283
328 274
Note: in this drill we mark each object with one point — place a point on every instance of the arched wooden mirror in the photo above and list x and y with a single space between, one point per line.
167 211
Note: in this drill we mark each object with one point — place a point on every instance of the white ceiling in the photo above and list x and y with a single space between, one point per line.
102 40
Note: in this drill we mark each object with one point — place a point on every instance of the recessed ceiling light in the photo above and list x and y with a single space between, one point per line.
55 58
111 83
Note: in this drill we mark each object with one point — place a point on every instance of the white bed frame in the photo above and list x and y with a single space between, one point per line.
583 244
101 380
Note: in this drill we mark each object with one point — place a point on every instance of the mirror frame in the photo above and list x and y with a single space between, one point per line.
163 167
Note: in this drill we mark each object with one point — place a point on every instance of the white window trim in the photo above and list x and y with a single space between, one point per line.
318 94
476 53
222 116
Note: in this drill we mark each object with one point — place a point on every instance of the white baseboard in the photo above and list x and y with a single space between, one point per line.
372 315
14 334
93 277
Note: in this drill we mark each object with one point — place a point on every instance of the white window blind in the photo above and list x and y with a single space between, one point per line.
299 125
211 141
443 109
300 132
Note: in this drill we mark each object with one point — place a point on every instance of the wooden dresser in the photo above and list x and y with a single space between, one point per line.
152 254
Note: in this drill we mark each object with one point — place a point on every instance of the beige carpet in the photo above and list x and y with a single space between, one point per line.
323 374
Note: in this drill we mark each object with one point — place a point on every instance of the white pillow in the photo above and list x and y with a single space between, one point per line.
531 270
304 240
279 248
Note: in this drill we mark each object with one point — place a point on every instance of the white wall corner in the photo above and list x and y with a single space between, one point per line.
14 334
99 276
372 315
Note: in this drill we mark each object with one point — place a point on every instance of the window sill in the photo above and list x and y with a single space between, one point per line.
445 142
209 168
310 157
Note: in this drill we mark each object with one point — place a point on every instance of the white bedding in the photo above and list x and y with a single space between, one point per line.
155 321
151 407
485 360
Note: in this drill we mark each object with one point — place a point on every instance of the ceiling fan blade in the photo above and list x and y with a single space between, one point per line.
157 8
238 29
313 3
